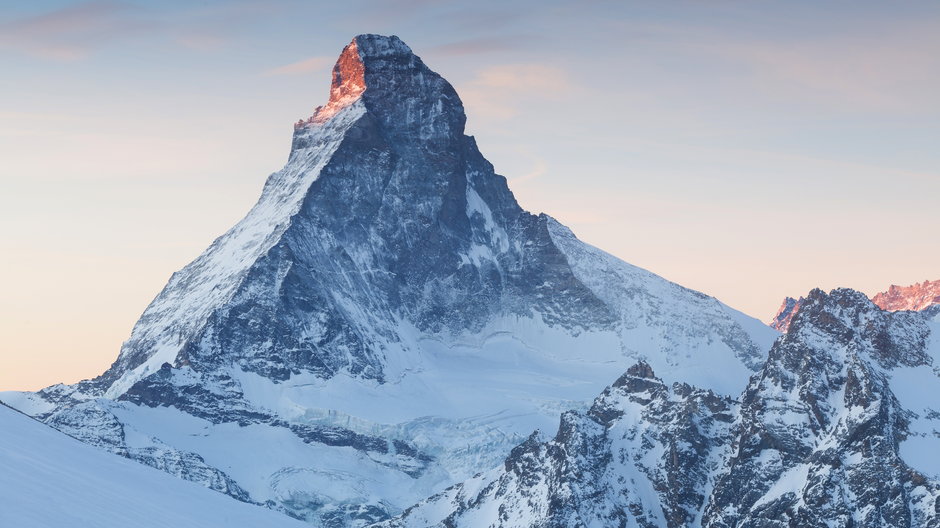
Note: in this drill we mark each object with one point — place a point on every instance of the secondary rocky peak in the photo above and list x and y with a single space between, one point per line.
917 297
840 308
641 369
846 321
638 380
785 314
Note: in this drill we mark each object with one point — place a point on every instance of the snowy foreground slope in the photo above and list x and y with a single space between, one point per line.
50 480
386 321
839 428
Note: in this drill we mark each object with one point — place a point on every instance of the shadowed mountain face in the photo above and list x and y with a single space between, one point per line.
838 428
386 320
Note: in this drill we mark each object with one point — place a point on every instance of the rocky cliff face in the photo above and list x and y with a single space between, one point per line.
642 455
838 428
924 296
789 307
915 297
823 435
386 320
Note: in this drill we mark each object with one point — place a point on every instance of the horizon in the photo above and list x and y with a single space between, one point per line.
119 171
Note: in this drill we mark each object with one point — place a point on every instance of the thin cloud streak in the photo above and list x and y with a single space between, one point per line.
480 45
871 69
300 67
72 32
497 91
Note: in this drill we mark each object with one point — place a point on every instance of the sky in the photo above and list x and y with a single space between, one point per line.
750 150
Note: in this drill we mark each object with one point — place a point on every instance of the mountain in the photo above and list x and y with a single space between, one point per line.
837 429
49 479
781 321
642 454
385 321
917 297
914 297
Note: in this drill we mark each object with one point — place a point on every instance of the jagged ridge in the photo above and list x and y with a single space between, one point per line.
388 316
830 432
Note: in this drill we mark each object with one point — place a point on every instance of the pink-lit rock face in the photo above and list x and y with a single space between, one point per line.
914 297
785 314
348 84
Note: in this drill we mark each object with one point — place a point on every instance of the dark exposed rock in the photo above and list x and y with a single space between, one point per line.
386 230
814 442
638 437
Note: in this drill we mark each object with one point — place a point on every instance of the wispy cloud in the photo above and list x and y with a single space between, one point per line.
480 45
81 29
497 91
300 67
211 27
539 168
201 41
893 73
873 66
72 32
483 19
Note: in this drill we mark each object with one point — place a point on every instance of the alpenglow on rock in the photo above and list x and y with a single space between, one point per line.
788 309
918 297
385 321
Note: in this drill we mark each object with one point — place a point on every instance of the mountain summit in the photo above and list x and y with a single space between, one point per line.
385 321
917 297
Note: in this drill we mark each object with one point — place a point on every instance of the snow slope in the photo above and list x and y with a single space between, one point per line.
388 316
838 428
48 480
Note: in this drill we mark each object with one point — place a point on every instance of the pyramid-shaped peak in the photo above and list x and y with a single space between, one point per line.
370 45
395 87
364 54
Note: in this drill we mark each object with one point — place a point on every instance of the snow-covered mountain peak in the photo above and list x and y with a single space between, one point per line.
389 315
788 309
919 296
837 428
348 84
640 369
848 316
373 46
396 87
839 300
916 297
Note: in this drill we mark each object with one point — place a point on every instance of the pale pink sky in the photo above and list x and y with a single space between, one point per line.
750 152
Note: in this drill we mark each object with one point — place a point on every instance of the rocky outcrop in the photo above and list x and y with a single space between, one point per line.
387 316
827 433
820 426
917 297
642 455
789 307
